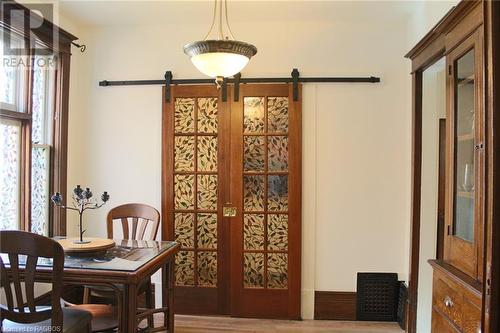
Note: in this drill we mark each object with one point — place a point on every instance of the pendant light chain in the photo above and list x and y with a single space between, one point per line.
221 33
227 21
222 12
213 21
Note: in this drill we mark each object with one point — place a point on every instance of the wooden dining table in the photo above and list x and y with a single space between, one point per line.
123 268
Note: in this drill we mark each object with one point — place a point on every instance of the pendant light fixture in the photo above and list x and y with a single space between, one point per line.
221 57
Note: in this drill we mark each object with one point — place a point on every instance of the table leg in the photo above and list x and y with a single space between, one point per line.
129 309
168 278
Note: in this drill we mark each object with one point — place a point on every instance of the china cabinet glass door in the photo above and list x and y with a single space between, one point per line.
463 219
466 154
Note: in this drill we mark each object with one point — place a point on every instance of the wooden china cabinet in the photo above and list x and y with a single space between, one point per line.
460 273
457 277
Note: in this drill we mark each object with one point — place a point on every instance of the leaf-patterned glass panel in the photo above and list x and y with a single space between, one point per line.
40 175
184 268
253 193
10 175
207 269
184 153
207 231
277 198
207 192
277 148
277 114
207 115
277 231
184 115
207 153
184 191
277 270
253 114
253 232
184 229
39 102
253 155
253 270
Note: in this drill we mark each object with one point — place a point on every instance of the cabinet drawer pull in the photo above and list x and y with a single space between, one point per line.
448 302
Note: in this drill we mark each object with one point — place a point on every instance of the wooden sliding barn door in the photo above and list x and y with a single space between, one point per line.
266 189
231 198
193 175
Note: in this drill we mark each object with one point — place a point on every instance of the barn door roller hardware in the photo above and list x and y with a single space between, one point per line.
295 79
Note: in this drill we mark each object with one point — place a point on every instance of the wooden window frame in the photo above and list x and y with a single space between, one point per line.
61 48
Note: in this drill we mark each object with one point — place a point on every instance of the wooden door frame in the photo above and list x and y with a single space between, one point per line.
491 292
416 175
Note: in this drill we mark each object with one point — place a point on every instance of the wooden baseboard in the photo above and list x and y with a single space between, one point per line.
335 305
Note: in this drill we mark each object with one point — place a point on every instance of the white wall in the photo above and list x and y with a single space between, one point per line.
356 146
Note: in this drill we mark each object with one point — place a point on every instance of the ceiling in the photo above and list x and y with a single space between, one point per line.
124 12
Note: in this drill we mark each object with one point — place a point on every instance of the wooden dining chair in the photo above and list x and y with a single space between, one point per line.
135 220
138 216
25 316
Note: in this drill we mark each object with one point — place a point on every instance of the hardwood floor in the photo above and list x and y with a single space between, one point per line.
195 324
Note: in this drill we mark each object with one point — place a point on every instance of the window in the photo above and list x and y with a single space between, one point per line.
36 122
33 129
41 139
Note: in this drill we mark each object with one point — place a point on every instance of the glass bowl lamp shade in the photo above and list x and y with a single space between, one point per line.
220 58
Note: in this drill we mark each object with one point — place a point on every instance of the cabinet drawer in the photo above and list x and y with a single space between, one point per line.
471 317
447 299
441 325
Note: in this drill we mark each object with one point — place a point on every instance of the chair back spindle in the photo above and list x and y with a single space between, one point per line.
14 244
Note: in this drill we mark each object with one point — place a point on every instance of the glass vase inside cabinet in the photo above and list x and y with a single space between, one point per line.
464 217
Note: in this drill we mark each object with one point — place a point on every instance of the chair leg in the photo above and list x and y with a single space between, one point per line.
86 295
149 303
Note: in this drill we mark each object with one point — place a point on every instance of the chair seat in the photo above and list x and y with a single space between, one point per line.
104 317
74 321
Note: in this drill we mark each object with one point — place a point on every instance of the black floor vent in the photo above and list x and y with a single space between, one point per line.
402 302
377 296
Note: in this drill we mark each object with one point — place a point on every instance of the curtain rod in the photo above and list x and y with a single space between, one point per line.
294 78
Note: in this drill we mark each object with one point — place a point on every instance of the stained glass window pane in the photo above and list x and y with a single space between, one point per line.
8 84
277 198
184 115
207 269
277 270
10 139
253 270
40 173
43 74
253 114
184 268
12 72
277 117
